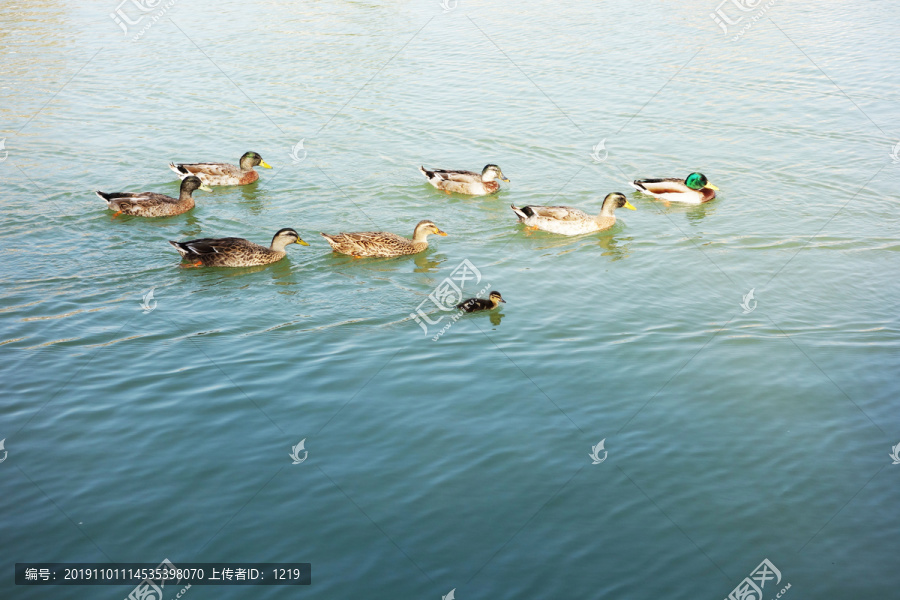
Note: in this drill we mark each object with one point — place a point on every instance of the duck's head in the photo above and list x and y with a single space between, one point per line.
614 201
284 237
698 181
251 159
496 298
191 183
424 229
492 172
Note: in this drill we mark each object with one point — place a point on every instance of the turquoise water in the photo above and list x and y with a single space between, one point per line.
461 463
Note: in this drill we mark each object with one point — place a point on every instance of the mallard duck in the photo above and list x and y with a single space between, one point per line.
566 220
223 173
236 252
693 189
383 243
466 182
150 204
476 304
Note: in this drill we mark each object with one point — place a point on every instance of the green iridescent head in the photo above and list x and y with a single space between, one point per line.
698 181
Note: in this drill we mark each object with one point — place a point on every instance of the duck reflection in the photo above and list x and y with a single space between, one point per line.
426 263
615 249
253 198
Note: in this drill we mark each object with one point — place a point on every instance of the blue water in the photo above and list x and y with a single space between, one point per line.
463 463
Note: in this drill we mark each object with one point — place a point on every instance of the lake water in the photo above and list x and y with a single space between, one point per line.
735 428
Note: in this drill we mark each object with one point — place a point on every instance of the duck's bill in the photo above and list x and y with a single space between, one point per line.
711 187
206 188
264 164
629 205
504 179
439 232
301 242
502 300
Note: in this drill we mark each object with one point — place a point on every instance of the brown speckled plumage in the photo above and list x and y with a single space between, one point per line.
236 252
223 173
150 204
382 243
465 182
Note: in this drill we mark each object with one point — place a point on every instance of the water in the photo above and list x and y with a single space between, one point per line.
459 463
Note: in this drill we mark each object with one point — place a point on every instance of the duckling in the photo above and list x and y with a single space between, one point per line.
236 252
476 304
693 189
149 204
566 220
466 182
382 243
223 173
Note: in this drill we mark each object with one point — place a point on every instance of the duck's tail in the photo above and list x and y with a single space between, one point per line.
104 196
182 248
636 184
179 170
523 213
329 238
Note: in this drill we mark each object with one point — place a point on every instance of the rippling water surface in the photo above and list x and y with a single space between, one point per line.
461 463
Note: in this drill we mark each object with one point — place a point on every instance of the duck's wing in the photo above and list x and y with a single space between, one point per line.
210 246
366 242
210 169
135 199
668 185
557 213
448 175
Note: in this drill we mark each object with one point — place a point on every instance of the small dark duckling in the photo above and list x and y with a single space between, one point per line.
476 304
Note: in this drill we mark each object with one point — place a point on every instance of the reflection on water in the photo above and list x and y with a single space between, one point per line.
426 263
496 316
615 249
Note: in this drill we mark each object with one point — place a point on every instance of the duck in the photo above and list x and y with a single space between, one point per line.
466 182
236 252
150 204
693 189
566 220
382 243
223 173
476 304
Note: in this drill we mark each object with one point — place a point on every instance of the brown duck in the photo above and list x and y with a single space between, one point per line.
236 252
383 243
150 204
